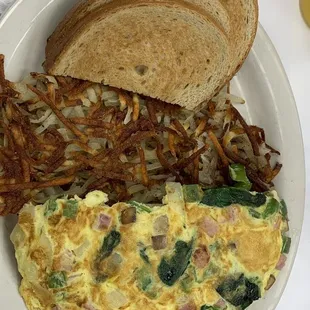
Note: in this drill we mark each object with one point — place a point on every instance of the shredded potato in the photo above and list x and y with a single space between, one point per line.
61 136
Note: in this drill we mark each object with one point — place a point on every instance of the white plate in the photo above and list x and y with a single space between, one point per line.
262 82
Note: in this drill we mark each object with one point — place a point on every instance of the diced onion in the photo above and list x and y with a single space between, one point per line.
116 299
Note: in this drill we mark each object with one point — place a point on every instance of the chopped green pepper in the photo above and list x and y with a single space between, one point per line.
226 196
192 193
57 279
169 271
254 213
50 207
283 208
141 207
286 244
238 175
272 207
144 279
71 209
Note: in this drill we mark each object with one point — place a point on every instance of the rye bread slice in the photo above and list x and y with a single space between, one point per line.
160 49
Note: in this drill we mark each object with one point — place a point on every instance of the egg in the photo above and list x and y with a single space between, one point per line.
184 254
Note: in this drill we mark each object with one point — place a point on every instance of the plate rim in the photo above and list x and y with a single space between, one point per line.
288 88
292 103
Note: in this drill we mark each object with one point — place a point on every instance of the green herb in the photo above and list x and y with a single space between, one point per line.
238 175
144 256
286 244
192 193
283 208
57 279
50 207
140 206
254 213
226 196
110 242
239 291
71 208
272 207
169 271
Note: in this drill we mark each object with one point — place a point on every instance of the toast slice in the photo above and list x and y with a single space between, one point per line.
213 7
74 19
159 49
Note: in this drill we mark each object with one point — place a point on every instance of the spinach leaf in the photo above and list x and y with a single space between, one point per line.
140 206
238 175
110 242
169 271
57 279
144 256
192 193
50 207
226 196
239 291
272 207
71 209
286 244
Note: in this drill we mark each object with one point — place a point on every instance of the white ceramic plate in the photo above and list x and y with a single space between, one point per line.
262 82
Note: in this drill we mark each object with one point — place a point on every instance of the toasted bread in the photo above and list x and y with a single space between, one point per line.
187 76
143 54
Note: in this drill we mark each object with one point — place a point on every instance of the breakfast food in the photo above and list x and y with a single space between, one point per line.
66 137
136 180
199 250
181 52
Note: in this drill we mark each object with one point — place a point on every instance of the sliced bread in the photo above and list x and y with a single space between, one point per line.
158 49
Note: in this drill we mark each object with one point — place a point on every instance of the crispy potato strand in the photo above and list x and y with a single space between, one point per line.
219 148
60 116
34 185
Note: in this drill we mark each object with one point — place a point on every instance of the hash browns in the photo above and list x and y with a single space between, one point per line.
61 136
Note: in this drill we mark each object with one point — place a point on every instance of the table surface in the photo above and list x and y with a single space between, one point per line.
291 37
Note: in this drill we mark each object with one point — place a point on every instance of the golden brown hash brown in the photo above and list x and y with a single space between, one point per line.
65 136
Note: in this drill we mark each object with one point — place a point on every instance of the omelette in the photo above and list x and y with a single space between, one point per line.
201 249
